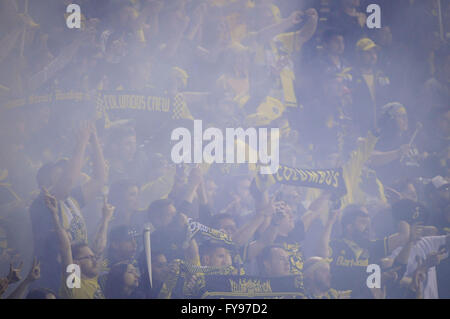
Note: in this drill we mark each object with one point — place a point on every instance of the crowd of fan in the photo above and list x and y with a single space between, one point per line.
311 68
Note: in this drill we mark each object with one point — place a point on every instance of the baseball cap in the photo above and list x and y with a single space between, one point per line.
365 44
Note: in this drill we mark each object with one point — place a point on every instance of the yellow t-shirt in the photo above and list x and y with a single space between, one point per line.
89 289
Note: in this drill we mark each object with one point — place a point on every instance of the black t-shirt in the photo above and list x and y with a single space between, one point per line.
170 239
45 239
349 264
292 244
43 226
136 170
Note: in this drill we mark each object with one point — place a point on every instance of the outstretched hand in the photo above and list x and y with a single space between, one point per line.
269 209
311 12
195 176
14 273
107 210
84 132
296 17
50 201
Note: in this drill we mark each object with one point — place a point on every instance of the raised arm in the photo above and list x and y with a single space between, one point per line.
427 256
244 234
13 277
8 42
266 239
95 184
191 253
181 25
378 158
415 235
63 237
190 249
400 238
268 33
309 28
268 236
194 180
33 275
205 212
196 24
264 209
4 283
60 62
314 210
72 172
101 237
153 16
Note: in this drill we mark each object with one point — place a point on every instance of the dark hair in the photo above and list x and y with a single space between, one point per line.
115 283
216 219
43 176
208 248
158 205
156 253
329 34
142 264
350 213
388 126
121 233
118 190
39 293
118 134
76 249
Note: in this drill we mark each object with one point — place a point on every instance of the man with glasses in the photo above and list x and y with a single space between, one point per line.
89 270
81 282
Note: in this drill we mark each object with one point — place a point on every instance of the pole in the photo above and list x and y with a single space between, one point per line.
148 254
22 47
441 26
